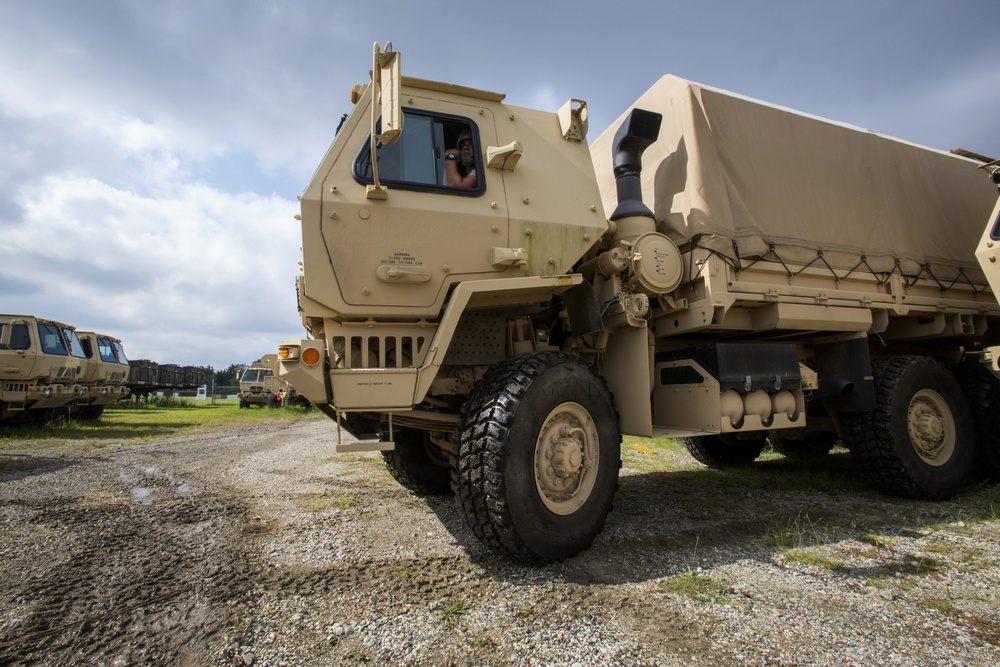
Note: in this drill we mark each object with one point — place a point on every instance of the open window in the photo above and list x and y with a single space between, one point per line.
417 160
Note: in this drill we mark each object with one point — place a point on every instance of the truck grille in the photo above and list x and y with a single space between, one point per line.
379 351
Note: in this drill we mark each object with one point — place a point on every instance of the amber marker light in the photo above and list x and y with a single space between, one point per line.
286 353
310 356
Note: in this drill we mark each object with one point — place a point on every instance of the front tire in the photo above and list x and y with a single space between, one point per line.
982 391
418 464
919 441
537 454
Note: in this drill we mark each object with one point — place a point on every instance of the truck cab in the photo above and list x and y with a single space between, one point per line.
40 365
105 374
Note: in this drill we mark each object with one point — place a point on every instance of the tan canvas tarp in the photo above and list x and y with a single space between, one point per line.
726 168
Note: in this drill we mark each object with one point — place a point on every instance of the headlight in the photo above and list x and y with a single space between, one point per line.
310 356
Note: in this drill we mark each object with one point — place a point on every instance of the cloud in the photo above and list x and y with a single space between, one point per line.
212 266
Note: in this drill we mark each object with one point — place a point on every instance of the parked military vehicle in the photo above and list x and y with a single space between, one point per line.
149 377
712 268
104 375
259 385
40 365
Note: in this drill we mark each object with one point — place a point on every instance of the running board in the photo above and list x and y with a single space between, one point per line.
370 444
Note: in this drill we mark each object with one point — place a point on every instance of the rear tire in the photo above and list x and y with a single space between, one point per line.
537 454
982 391
809 447
919 441
723 451
418 464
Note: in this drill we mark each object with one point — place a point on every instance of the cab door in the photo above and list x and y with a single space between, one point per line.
404 251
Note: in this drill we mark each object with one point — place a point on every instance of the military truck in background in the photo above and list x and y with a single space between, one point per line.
712 268
40 366
259 385
149 377
104 375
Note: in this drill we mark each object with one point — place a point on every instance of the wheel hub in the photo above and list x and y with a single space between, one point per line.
931 427
566 458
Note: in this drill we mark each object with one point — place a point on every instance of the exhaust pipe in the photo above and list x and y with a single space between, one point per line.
635 135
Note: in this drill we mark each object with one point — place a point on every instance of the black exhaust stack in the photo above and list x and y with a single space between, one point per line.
639 130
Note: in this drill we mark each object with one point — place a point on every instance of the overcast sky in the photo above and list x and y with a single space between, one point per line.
152 150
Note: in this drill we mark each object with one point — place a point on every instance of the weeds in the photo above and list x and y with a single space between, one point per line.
801 531
939 604
318 503
452 610
810 558
699 587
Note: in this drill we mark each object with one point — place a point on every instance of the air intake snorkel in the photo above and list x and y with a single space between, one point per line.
640 129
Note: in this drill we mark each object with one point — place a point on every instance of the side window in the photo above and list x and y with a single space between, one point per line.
52 340
420 159
19 339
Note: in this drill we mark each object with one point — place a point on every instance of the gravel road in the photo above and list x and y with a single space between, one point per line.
260 546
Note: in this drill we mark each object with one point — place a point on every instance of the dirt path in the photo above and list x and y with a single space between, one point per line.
262 547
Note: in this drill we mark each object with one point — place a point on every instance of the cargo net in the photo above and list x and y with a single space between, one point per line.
925 274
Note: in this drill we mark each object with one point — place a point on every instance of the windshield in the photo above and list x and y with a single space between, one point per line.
256 374
52 340
119 352
106 351
74 343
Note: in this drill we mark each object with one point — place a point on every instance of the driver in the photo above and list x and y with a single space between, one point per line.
460 163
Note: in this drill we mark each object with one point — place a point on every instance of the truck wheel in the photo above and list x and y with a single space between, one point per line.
243 403
723 451
88 413
791 444
982 391
919 441
537 456
418 464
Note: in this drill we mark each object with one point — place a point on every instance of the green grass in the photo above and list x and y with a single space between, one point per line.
691 584
452 610
811 558
939 604
144 424
320 502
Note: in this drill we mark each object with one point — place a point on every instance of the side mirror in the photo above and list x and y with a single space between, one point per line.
385 105
387 66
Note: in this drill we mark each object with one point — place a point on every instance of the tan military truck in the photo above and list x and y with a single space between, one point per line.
104 374
40 364
259 385
712 268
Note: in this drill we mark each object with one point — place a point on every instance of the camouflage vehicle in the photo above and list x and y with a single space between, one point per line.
40 365
711 268
259 385
104 375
